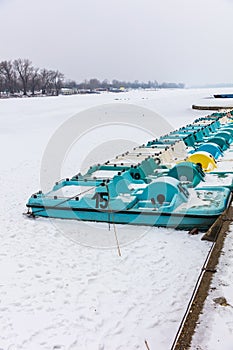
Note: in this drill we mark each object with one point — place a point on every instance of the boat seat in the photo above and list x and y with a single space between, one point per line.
164 191
226 135
222 142
205 159
211 148
187 172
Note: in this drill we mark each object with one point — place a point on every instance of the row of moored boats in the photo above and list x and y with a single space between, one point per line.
181 180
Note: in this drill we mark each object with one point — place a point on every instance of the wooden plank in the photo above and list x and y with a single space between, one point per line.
219 231
211 108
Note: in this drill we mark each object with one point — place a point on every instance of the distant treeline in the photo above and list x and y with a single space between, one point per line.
95 84
20 78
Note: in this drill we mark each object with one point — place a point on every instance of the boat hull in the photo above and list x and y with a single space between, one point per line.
182 221
223 96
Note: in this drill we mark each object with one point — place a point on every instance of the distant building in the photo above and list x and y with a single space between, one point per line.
68 91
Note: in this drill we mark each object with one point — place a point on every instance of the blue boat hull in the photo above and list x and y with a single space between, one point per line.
223 96
149 218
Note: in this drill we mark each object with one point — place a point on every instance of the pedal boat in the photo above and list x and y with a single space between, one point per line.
164 202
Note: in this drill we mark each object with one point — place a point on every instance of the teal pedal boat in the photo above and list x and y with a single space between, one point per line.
164 202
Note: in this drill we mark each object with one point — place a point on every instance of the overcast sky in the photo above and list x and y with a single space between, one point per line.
188 41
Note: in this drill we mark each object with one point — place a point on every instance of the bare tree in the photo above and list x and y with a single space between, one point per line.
45 80
105 84
24 69
57 80
70 84
34 79
94 83
8 76
2 84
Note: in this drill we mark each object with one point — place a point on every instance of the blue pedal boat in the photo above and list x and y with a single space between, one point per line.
164 202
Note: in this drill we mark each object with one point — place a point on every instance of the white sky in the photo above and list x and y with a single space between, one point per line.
187 41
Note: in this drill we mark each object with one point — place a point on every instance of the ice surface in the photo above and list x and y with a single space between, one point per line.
56 290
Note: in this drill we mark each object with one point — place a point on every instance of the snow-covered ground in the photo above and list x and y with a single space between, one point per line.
58 288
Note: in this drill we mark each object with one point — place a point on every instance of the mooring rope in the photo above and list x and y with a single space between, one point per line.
114 225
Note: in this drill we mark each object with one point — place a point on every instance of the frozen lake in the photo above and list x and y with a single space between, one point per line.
63 285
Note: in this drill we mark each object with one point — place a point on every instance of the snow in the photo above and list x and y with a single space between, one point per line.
62 284
71 191
104 174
